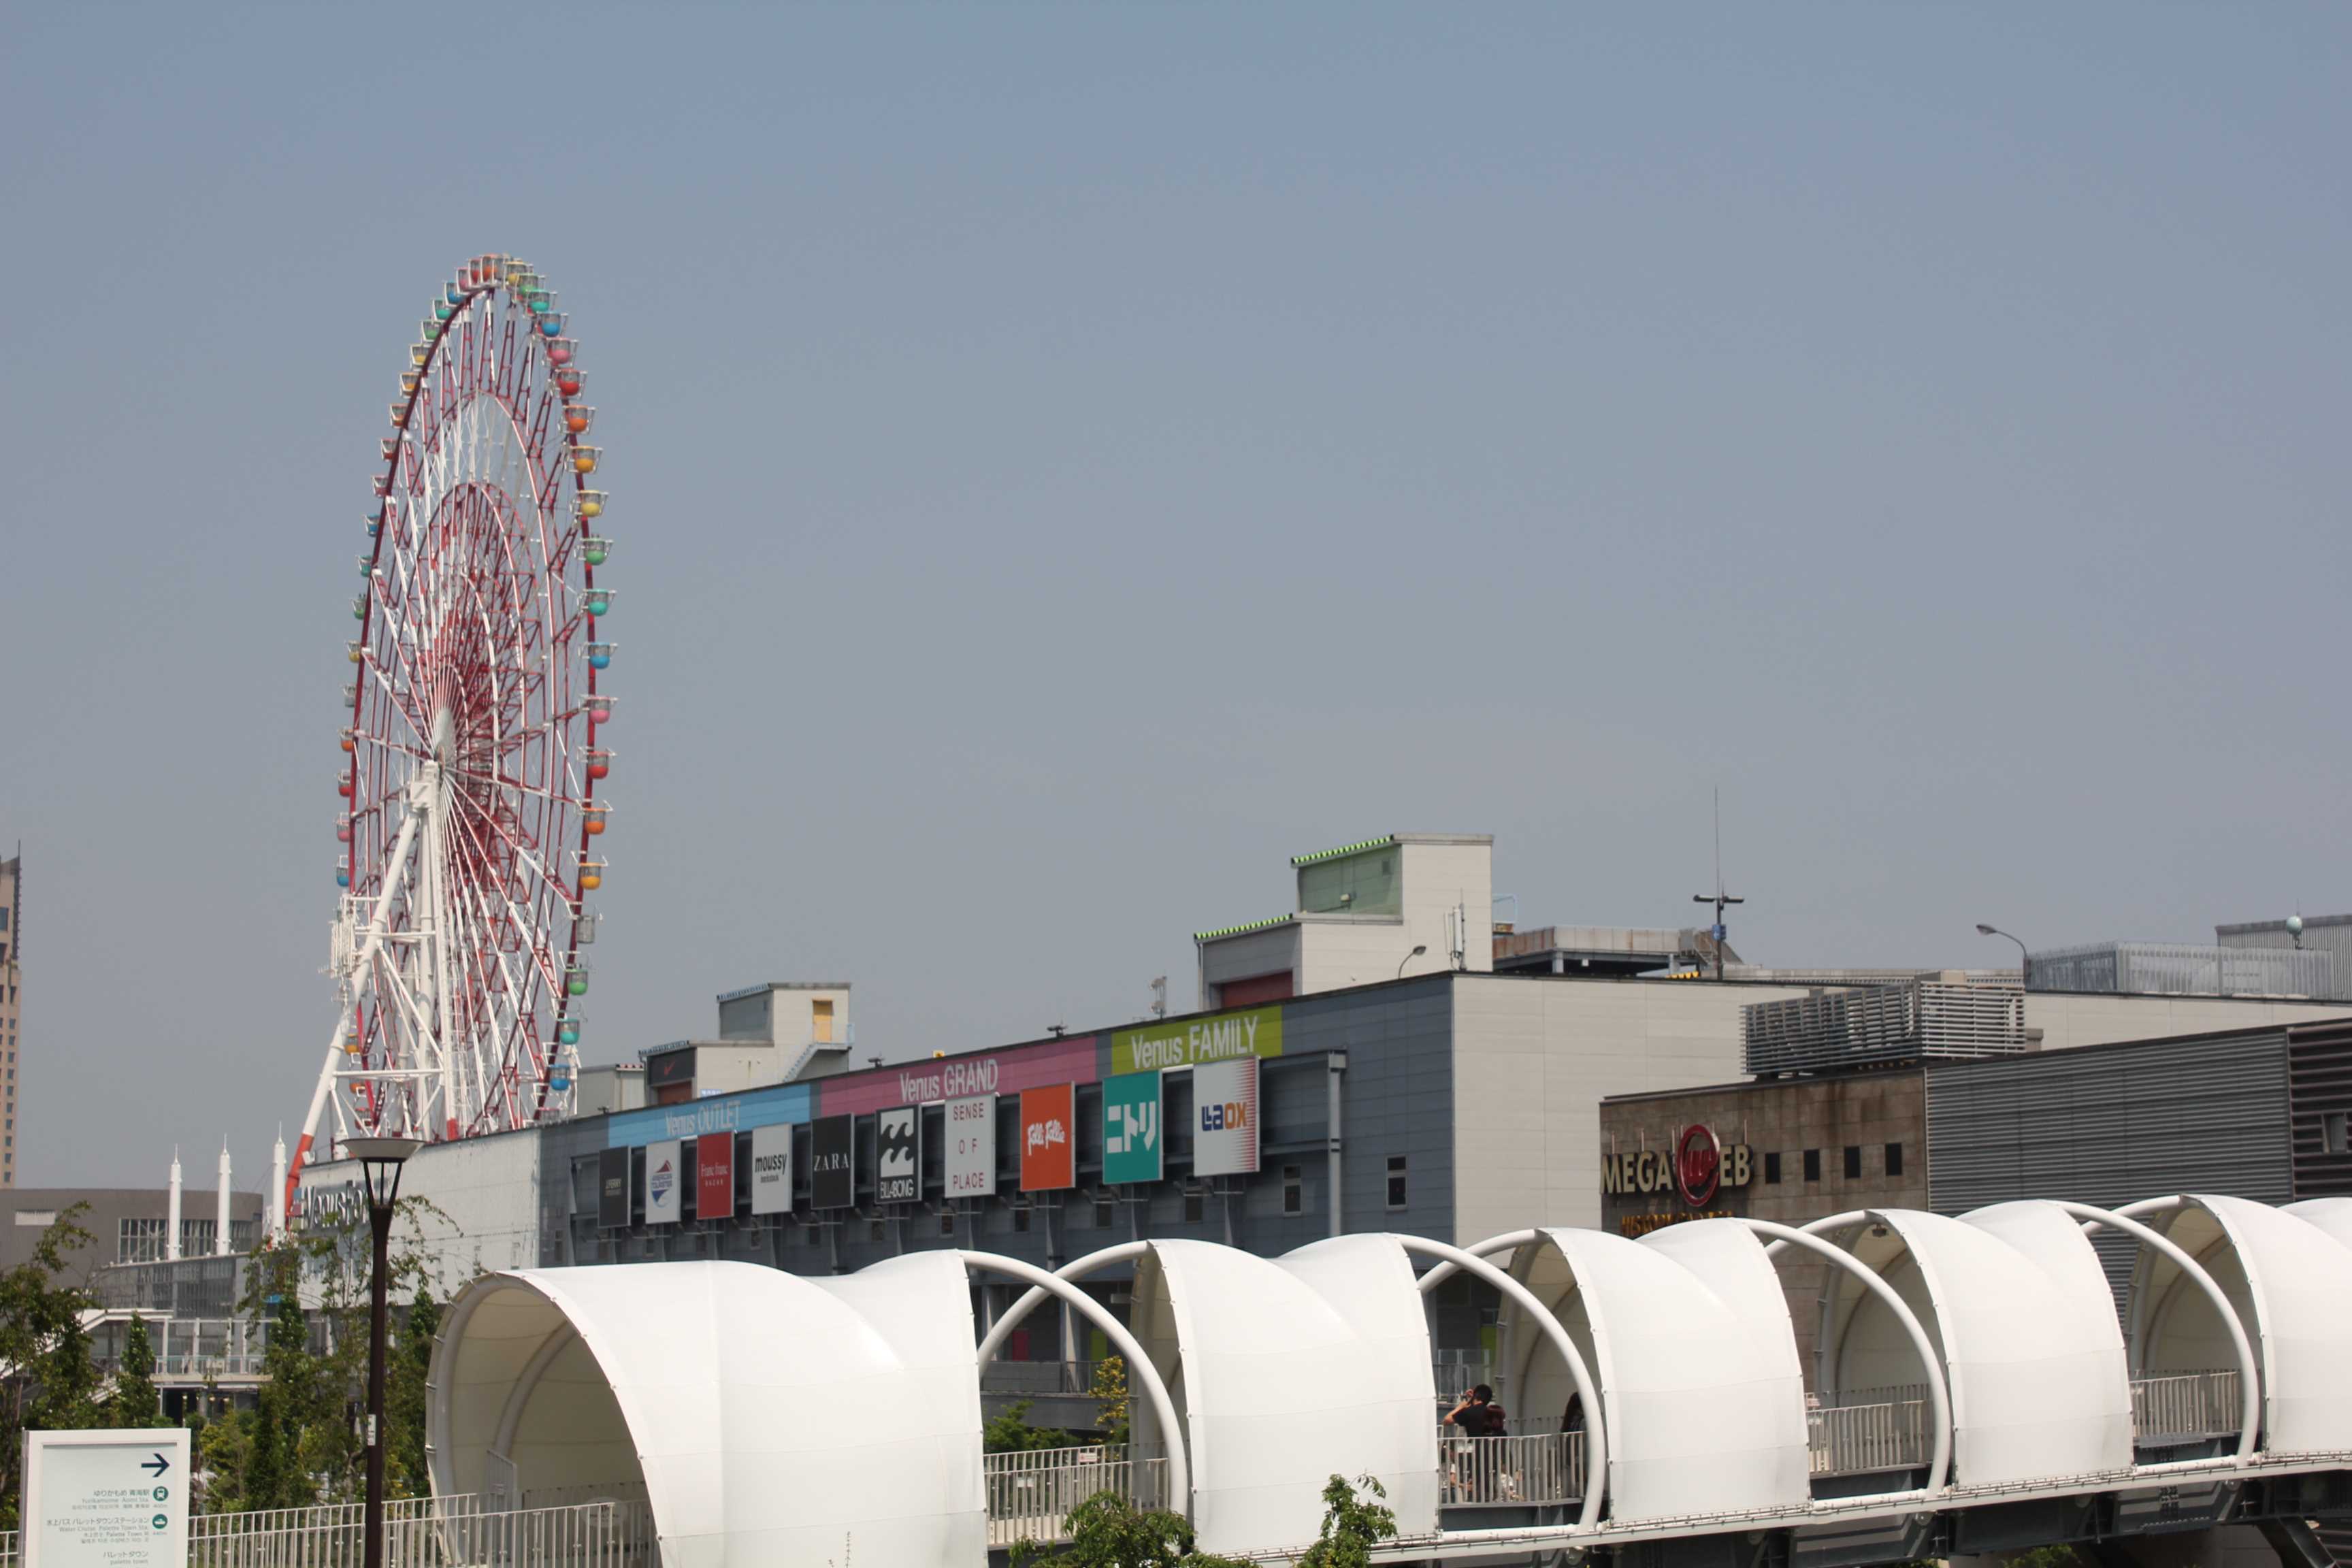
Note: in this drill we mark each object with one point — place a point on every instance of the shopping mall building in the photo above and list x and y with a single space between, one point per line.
1509 1079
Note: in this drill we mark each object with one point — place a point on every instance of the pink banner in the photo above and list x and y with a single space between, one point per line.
952 1077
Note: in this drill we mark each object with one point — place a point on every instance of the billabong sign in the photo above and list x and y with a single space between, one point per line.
897 1157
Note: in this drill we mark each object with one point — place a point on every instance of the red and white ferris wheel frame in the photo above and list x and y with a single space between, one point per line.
471 752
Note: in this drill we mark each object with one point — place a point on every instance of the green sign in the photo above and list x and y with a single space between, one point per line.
1134 1129
1221 1038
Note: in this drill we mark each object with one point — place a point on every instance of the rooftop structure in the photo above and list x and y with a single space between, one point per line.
1925 1018
2183 969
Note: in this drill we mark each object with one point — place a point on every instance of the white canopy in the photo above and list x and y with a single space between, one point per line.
1285 1372
2013 1298
1687 1334
2290 1280
773 1420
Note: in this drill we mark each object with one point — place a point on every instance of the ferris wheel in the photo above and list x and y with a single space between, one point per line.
469 816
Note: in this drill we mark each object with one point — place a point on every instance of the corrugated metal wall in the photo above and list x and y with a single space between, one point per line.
2319 1084
2106 1124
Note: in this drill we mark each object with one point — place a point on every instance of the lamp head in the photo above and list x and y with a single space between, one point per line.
1984 930
380 1162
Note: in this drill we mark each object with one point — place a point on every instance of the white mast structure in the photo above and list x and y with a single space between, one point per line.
220 1231
276 1198
172 1224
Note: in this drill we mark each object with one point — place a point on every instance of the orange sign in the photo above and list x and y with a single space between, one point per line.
1049 1133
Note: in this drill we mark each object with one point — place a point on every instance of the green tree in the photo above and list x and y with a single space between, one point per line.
1107 1531
1011 1433
135 1403
1110 1386
1351 1525
47 1380
404 1397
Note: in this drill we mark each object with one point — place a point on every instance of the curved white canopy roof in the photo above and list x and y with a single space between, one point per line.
2014 1301
1687 1332
771 1418
2290 1280
1286 1371
775 1421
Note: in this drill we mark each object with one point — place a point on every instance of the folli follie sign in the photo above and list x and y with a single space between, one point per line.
1049 1147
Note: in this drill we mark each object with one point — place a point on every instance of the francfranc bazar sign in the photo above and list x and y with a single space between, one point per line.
1697 1167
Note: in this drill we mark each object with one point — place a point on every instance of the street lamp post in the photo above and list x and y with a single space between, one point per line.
2024 959
1409 957
380 1160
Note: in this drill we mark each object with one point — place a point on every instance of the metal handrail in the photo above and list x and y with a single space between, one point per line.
1030 1494
2186 1407
1536 1467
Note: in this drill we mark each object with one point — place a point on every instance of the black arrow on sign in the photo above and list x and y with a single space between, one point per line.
159 1464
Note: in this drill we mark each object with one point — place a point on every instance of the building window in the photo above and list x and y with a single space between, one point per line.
1396 1180
1895 1159
1294 1195
139 1240
2336 1132
1772 1169
1813 1164
1194 1208
1853 1161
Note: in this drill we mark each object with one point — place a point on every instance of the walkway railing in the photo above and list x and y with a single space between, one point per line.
1030 1495
2185 1407
420 1532
1868 1429
1542 1468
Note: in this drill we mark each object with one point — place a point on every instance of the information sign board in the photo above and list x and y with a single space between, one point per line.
1133 1145
664 1182
971 1147
1224 1118
1049 1150
106 1499
714 1176
771 1169
833 1161
899 1155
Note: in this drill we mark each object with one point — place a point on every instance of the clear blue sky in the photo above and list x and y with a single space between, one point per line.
1067 459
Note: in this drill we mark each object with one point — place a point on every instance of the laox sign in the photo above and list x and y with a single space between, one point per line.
1697 1167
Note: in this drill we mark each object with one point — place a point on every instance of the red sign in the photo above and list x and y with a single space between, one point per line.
714 1176
1698 1165
1049 1138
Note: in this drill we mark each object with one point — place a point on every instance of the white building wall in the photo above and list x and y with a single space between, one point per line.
485 1191
2068 1019
1533 1059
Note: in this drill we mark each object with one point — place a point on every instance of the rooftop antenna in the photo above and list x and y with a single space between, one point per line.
1718 898
1159 997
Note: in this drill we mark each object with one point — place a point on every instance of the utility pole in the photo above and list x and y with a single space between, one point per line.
1718 898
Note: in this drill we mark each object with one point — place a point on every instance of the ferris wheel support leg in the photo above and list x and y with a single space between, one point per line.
373 940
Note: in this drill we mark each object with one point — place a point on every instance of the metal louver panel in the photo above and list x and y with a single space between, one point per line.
2109 1124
